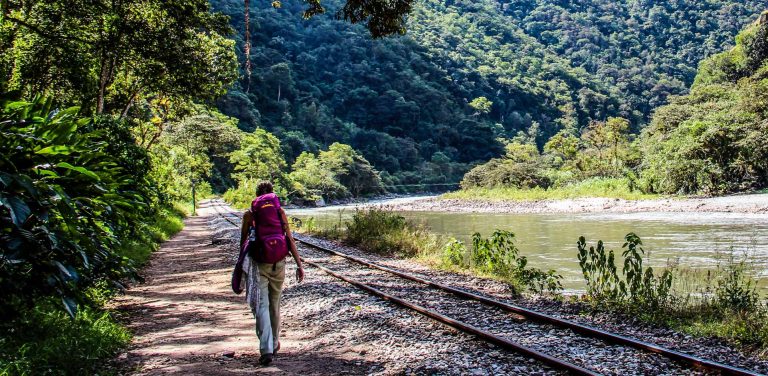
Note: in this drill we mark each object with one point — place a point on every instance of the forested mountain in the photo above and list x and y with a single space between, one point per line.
425 106
714 139
644 50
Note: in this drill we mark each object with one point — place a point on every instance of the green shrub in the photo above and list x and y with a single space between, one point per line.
45 340
638 287
70 189
735 290
499 257
77 214
455 253
505 173
497 254
338 173
382 231
600 273
721 303
373 224
645 288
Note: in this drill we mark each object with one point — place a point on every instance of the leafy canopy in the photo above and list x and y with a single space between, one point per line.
106 56
713 140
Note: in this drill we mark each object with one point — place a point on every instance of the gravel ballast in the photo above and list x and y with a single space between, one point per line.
391 340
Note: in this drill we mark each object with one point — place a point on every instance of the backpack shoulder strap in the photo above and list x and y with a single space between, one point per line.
280 217
276 202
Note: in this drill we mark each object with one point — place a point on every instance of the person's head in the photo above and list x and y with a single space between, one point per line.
263 188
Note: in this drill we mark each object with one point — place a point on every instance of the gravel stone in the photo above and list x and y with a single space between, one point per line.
399 341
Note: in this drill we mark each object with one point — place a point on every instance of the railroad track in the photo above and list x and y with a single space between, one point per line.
500 322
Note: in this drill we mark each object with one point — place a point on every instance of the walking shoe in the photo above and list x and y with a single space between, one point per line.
265 359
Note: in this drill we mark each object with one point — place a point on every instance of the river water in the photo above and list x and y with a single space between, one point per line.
691 240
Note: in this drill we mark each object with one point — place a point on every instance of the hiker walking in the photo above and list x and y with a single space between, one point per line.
268 239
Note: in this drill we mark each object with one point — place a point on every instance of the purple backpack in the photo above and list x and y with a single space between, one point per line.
270 245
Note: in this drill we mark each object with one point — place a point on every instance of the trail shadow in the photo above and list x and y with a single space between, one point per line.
289 363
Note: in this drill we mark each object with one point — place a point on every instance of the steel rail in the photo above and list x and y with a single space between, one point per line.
541 317
462 326
525 312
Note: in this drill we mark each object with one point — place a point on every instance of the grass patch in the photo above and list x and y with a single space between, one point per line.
382 232
167 222
596 187
747 329
46 341
498 257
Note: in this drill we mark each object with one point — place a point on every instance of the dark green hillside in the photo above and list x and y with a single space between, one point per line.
321 81
468 75
646 50
487 55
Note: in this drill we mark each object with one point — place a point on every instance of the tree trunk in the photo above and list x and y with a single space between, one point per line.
247 49
128 105
102 87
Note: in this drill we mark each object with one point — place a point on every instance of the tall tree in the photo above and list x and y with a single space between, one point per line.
104 55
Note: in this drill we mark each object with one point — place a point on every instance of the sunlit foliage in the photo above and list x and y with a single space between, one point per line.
339 172
714 140
108 56
602 150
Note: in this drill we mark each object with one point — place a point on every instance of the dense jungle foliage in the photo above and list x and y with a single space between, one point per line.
469 76
711 141
714 139
89 90
108 124
113 113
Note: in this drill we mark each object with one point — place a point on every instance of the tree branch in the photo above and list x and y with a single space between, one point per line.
155 137
129 104
37 30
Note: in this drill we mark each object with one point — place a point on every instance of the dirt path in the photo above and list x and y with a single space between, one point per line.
186 320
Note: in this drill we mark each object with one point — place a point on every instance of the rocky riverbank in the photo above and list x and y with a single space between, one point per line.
752 204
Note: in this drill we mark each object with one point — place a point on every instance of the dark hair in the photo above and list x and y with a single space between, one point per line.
263 188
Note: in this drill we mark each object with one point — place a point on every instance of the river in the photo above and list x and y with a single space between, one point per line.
691 240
